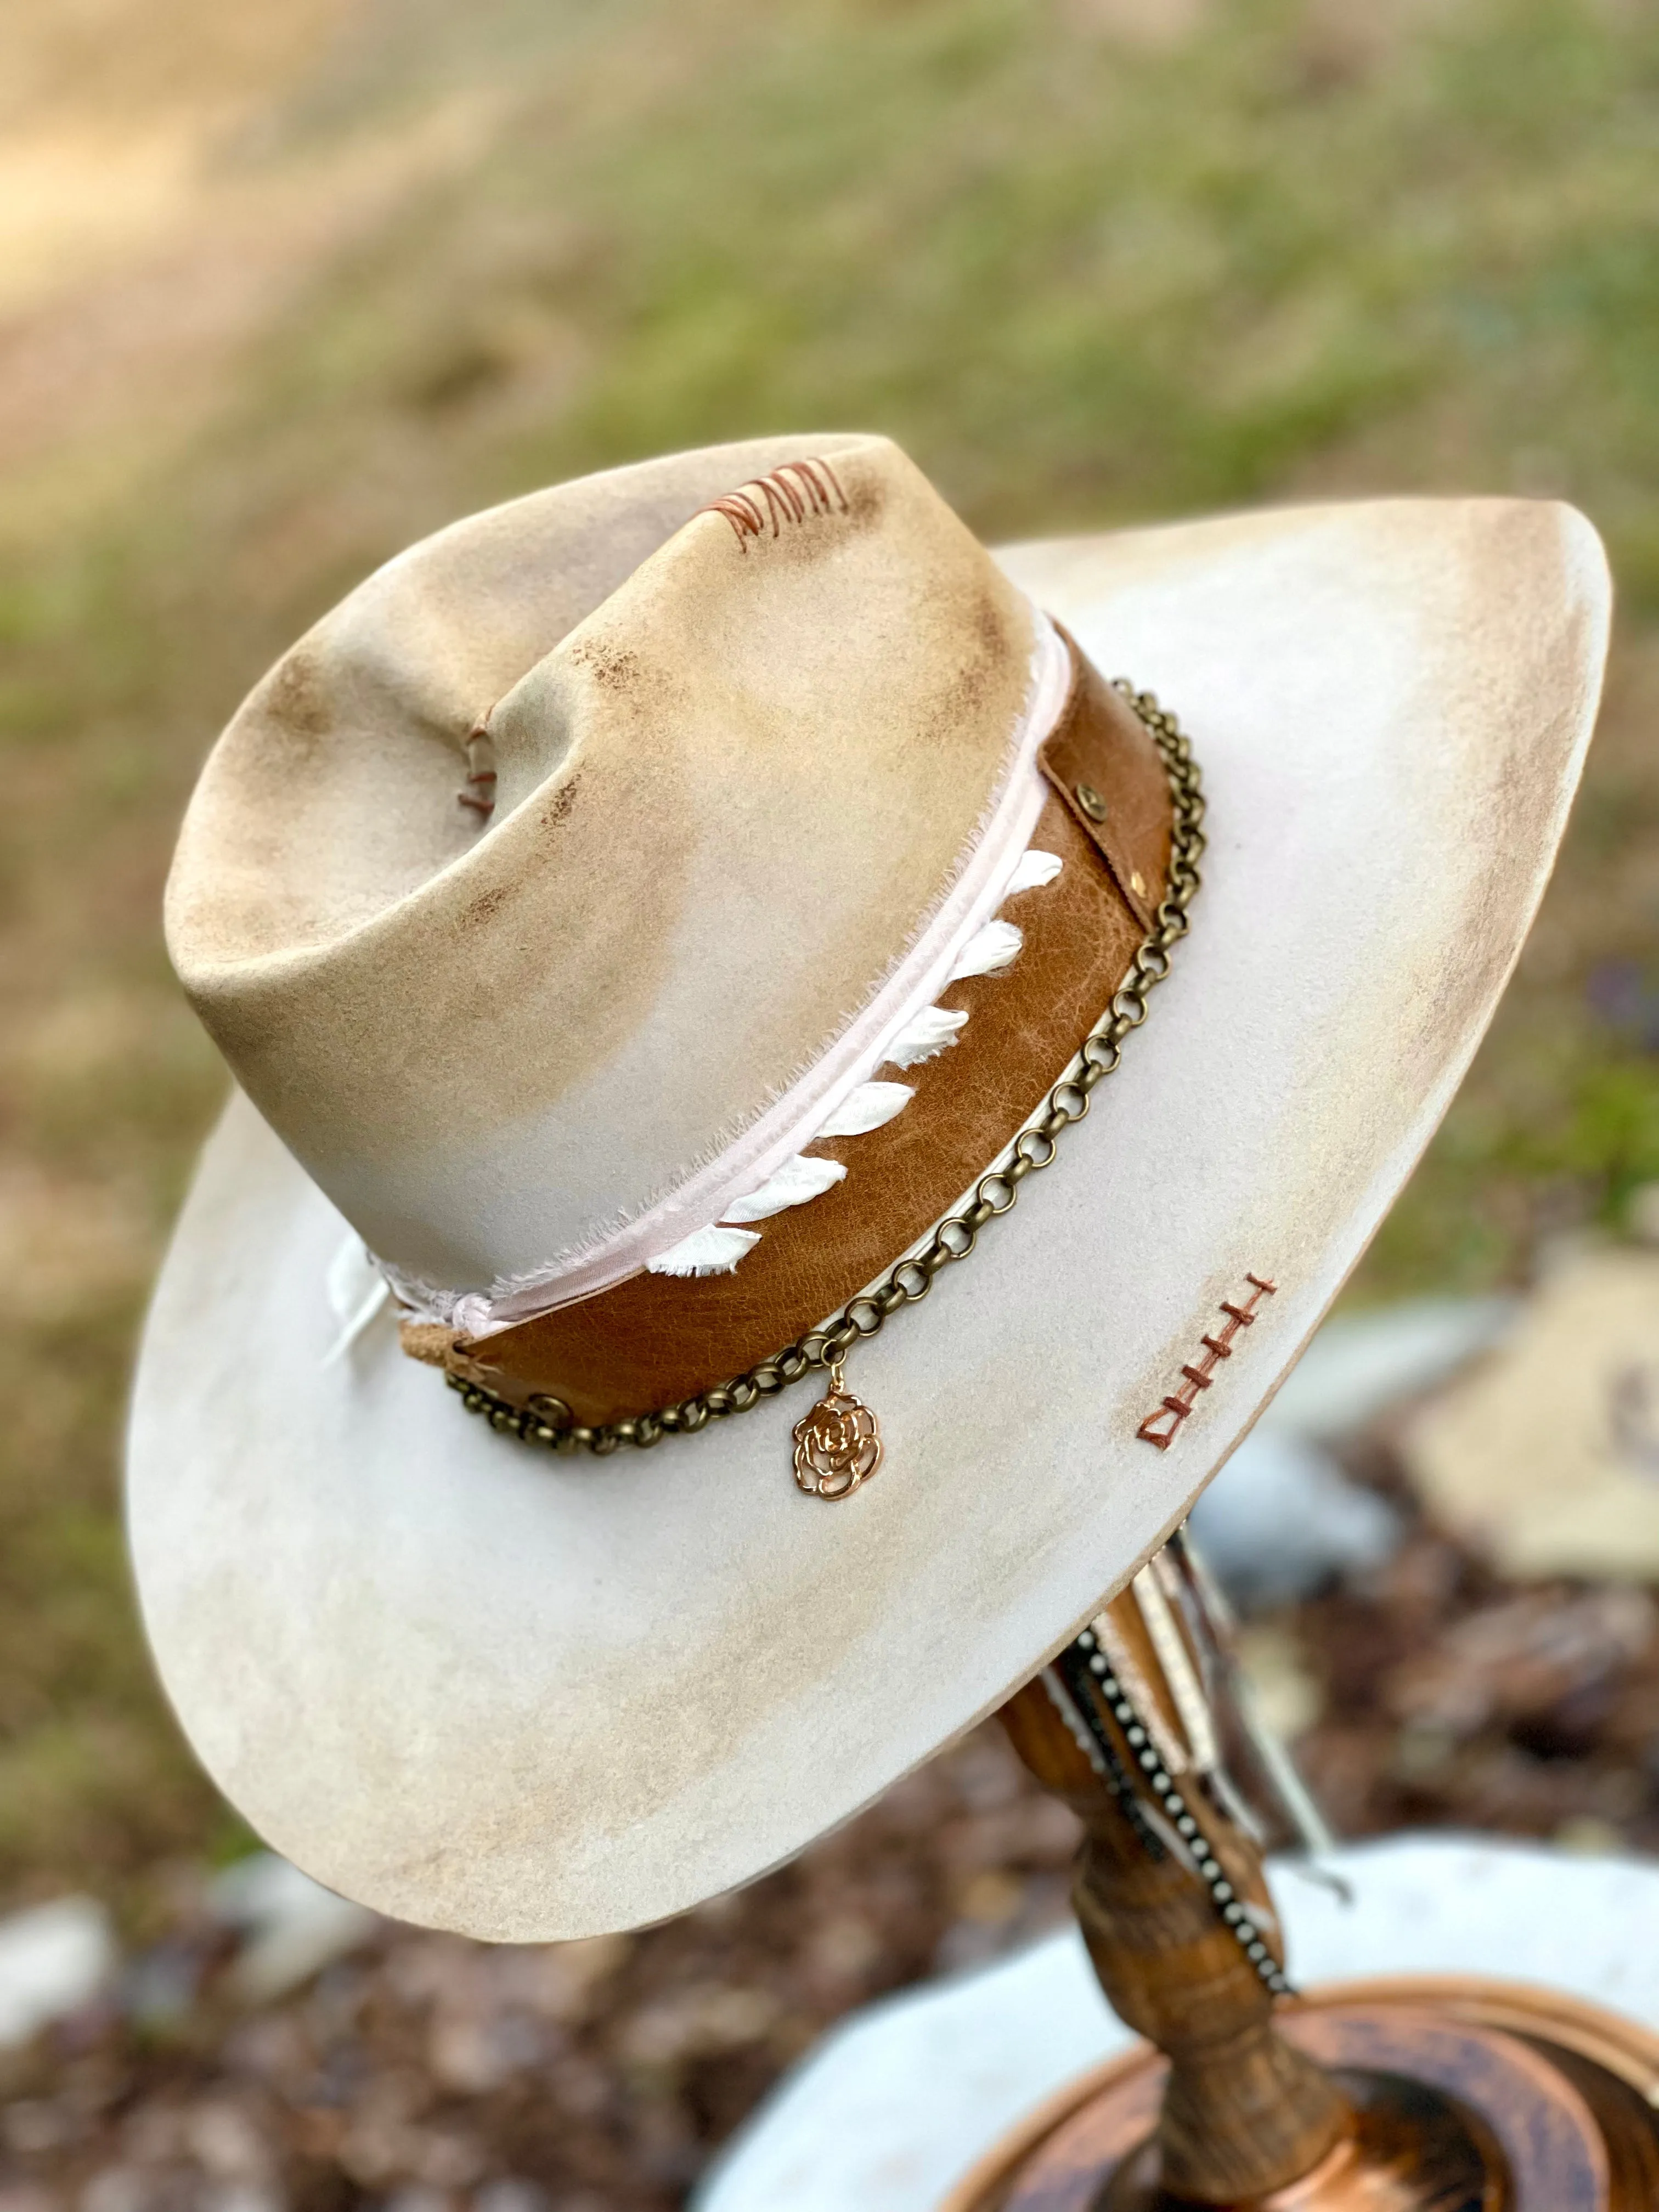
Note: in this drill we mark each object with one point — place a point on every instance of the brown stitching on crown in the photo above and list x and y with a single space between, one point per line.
780 493
817 497
478 791
742 515
794 491
1159 1426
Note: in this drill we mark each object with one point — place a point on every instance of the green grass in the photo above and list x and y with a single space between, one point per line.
1086 278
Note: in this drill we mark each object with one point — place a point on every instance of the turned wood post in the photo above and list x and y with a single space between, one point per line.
1244 2112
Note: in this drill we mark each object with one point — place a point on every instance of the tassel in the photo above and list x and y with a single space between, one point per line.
795 1181
932 1029
706 1252
988 952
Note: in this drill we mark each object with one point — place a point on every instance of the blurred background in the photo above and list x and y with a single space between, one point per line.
283 289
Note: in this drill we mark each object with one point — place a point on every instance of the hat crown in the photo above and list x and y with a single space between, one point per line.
739 762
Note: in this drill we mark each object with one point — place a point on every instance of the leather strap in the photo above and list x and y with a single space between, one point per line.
658 1339
1100 760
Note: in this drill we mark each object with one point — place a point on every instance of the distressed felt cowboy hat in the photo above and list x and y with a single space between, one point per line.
657 927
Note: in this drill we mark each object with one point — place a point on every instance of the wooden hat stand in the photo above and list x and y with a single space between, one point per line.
1391 2095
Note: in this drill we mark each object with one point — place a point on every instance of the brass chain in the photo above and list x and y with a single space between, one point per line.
549 1422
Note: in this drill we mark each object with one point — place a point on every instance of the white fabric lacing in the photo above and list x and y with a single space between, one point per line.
704 1226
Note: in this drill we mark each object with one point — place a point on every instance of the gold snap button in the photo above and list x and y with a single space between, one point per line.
1091 801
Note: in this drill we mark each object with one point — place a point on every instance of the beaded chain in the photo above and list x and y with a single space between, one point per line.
1082 1717
1173 1805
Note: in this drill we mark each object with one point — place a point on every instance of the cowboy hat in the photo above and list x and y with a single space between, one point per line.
656 925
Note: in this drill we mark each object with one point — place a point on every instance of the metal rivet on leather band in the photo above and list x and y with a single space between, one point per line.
1091 801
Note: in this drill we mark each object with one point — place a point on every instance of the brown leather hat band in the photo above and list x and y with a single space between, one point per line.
655 1339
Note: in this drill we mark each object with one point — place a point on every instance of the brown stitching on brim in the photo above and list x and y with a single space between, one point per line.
1160 1425
794 491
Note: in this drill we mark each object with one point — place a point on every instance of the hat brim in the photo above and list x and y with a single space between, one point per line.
525 1697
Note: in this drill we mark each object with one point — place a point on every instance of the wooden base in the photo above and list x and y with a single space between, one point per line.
1465 2096
1450 2095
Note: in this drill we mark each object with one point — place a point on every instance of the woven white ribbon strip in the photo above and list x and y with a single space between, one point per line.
962 936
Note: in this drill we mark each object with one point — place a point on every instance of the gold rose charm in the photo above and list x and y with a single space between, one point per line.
838 1443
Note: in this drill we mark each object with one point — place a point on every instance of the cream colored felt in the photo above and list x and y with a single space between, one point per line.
489 1045
528 1697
